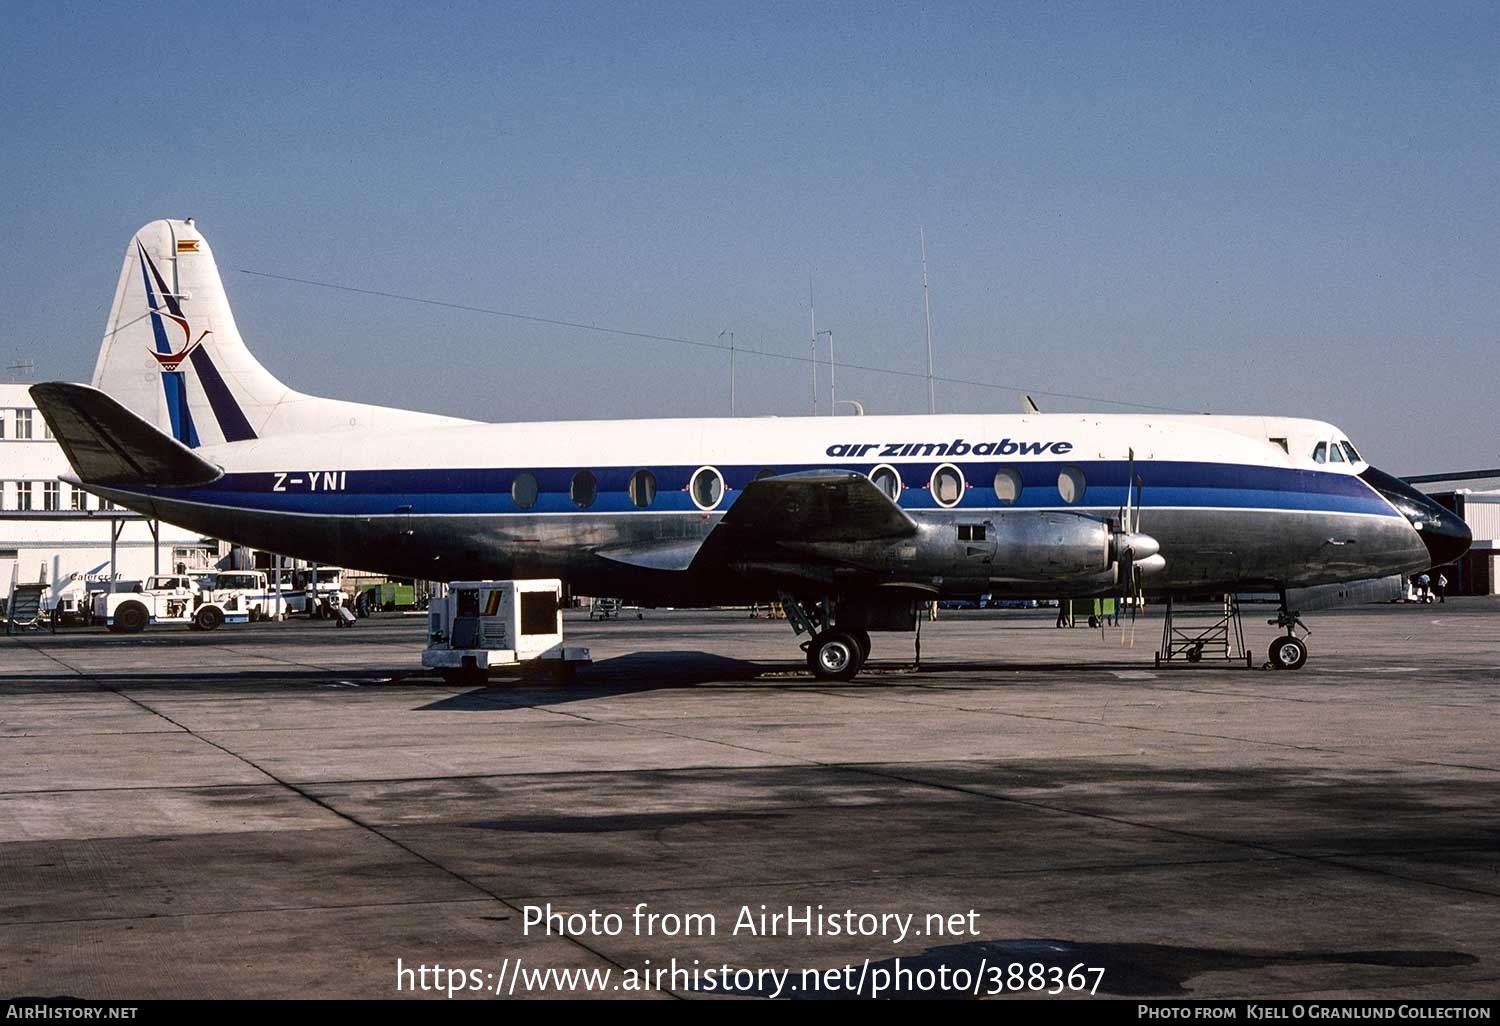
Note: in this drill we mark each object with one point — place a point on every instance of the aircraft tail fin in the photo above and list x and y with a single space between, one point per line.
173 356
109 445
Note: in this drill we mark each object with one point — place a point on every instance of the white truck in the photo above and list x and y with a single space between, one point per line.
244 589
316 597
479 626
162 599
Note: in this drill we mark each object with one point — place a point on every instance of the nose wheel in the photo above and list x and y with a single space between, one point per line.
1288 653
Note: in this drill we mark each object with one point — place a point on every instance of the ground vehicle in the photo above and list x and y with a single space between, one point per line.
249 587
483 625
165 598
387 597
303 593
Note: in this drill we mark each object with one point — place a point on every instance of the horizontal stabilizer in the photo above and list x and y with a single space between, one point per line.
107 444
817 505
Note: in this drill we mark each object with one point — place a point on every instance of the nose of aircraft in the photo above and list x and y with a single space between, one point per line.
1444 533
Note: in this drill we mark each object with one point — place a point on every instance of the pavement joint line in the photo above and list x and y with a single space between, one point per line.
1092 815
347 817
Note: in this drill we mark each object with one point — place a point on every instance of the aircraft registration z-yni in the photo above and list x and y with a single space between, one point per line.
850 522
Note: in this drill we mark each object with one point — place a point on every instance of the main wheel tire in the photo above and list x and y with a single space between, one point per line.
131 618
862 638
1288 653
834 655
209 618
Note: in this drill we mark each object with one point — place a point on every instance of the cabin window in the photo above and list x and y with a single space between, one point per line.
1007 484
1281 442
888 481
971 532
706 487
584 489
947 485
1320 453
642 488
1335 454
523 490
1352 453
1071 485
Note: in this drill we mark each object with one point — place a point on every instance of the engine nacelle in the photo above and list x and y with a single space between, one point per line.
1049 545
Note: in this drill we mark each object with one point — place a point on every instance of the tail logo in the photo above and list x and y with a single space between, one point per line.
170 361
165 310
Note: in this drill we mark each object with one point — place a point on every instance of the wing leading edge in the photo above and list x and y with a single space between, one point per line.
808 506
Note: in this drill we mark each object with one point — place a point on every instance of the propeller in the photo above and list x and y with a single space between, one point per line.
1136 554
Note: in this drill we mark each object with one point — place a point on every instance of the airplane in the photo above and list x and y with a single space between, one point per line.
853 523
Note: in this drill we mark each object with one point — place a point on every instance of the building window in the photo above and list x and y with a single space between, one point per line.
23 495
23 424
642 488
76 496
49 496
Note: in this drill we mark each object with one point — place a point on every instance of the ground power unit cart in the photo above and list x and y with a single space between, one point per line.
480 626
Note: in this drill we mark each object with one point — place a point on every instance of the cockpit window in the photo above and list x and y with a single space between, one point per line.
1350 451
1335 454
1320 454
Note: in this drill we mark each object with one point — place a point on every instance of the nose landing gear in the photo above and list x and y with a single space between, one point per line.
1288 652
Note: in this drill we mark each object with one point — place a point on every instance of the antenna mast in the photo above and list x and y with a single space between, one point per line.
927 309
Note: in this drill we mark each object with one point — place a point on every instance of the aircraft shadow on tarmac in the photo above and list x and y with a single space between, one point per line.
1131 970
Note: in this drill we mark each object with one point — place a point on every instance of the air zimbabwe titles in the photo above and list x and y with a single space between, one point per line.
957 447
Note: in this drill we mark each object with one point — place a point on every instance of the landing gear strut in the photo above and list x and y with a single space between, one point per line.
1288 652
833 652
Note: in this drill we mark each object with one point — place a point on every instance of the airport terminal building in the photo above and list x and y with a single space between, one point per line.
53 532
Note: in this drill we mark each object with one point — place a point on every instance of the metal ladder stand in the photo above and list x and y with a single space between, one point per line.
1215 634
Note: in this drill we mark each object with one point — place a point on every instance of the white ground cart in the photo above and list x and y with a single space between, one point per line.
480 626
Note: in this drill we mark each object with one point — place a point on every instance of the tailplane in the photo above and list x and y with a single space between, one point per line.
173 355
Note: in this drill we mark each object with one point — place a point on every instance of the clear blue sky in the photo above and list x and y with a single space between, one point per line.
1247 208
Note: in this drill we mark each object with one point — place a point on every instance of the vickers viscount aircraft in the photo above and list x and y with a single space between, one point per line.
851 522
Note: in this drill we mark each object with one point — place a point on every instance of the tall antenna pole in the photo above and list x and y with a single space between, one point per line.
726 331
833 401
927 308
813 315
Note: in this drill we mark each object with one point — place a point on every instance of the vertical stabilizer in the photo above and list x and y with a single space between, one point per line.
171 352
173 356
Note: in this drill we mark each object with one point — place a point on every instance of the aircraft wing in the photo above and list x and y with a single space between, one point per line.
816 506
809 506
107 444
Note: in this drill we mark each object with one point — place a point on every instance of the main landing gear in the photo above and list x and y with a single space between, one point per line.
833 652
1288 652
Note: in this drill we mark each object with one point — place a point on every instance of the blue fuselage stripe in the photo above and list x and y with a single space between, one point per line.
488 491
